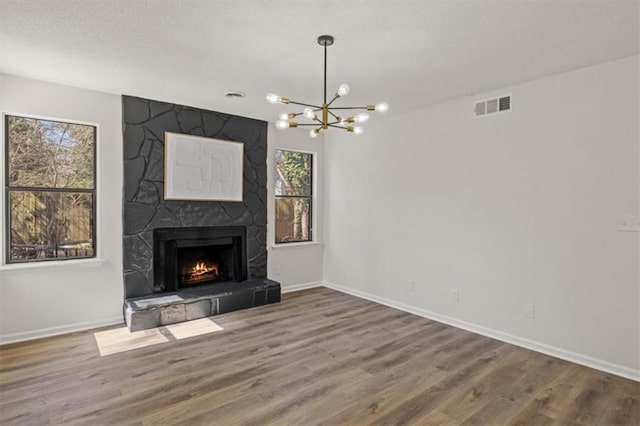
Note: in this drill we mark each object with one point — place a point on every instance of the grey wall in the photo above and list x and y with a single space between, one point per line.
144 124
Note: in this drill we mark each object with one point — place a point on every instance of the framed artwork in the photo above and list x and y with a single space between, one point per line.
199 168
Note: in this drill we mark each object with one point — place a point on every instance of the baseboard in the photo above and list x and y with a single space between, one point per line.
303 286
598 364
55 331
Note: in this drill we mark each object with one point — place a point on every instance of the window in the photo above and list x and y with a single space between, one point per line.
293 185
50 190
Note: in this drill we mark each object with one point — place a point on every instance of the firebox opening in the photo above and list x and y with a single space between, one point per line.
198 256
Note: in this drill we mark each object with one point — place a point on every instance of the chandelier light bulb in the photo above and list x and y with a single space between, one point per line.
281 124
361 118
343 89
284 116
273 98
308 113
314 133
382 107
357 130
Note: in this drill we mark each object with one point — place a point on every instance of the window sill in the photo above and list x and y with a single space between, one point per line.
53 265
306 243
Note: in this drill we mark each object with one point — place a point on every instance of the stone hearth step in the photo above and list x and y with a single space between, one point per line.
169 308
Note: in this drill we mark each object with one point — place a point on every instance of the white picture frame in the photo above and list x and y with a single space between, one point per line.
200 168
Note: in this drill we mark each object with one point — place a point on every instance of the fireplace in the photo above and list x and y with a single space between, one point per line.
189 257
198 272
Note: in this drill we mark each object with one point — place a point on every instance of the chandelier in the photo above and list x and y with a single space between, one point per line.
325 116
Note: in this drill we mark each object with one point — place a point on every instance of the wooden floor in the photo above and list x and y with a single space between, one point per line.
319 357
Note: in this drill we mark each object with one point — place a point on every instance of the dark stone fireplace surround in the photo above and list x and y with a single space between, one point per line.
145 209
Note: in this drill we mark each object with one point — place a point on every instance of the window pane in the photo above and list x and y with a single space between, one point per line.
50 154
50 225
293 173
293 220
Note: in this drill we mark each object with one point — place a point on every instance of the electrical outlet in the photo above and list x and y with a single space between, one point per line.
411 285
277 270
529 311
455 295
629 223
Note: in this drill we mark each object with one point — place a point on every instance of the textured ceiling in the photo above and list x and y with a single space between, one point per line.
408 53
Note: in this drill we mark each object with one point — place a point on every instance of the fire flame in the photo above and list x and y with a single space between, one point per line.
201 268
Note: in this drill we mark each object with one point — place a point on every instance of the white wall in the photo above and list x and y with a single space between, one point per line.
295 266
512 209
56 297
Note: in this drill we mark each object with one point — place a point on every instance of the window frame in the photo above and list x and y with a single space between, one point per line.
311 197
6 216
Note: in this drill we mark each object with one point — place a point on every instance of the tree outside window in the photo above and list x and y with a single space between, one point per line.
293 186
50 190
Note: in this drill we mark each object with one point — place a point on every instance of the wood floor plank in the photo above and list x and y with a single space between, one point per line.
318 358
530 416
592 401
623 410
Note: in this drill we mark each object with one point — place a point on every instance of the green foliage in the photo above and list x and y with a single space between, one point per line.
294 171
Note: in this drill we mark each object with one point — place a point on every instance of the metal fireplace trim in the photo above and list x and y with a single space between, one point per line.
167 240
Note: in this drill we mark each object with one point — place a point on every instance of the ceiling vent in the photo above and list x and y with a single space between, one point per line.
235 94
492 106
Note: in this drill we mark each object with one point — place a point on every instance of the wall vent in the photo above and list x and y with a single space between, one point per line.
492 106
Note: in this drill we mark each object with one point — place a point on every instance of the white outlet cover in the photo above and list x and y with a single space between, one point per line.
529 311
455 295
